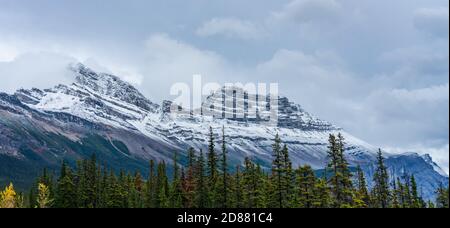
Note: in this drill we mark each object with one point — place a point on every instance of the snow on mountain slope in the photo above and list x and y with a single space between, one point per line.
102 104
103 98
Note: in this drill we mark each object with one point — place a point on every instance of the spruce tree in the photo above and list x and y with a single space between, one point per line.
407 196
176 190
224 166
442 199
136 188
333 164
395 195
150 187
415 198
66 192
212 172
306 188
184 195
190 181
104 185
289 176
362 194
278 173
401 194
322 196
114 192
201 191
381 183
32 197
238 189
91 178
162 187
191 158
346 180
341 184
261 180
47 179
253 192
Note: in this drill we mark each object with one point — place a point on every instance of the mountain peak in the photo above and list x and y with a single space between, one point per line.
102 104
237 104
109 85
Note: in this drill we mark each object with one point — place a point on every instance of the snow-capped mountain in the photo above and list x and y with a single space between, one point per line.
101 113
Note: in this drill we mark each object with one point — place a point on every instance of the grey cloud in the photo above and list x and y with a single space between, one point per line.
377 68
38 70
434 21
232 28
418 110
308 11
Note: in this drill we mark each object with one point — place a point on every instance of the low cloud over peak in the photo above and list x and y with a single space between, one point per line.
377 68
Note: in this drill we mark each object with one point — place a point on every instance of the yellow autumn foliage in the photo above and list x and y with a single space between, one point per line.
8 197
43 200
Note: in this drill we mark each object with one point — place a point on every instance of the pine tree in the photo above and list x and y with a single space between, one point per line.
162 187
150 187
401 194
333 164
416 201
407 196
341 184
442 199
289 176
212 158
81 183
322 196
212 172
381 183
115 195
47 179
262 180
44 200
395 195
32 197
20 202
189 183
191 158
184 194
306 188
66 192
201 191
238 189
225 177
124 183
278 173
346 181
136 186
91 188
251 184
362 194
104 187
87 183
176 190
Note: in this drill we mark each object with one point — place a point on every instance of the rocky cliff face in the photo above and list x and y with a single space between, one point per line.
101 113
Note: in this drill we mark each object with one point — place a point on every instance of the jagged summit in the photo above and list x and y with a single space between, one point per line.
110 85
236 104
106 99
100 112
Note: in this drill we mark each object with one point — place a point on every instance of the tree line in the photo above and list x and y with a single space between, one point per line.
207 181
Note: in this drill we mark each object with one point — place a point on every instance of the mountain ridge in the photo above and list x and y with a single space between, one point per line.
102 105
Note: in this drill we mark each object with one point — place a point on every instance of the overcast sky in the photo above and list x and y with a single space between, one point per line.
378 68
